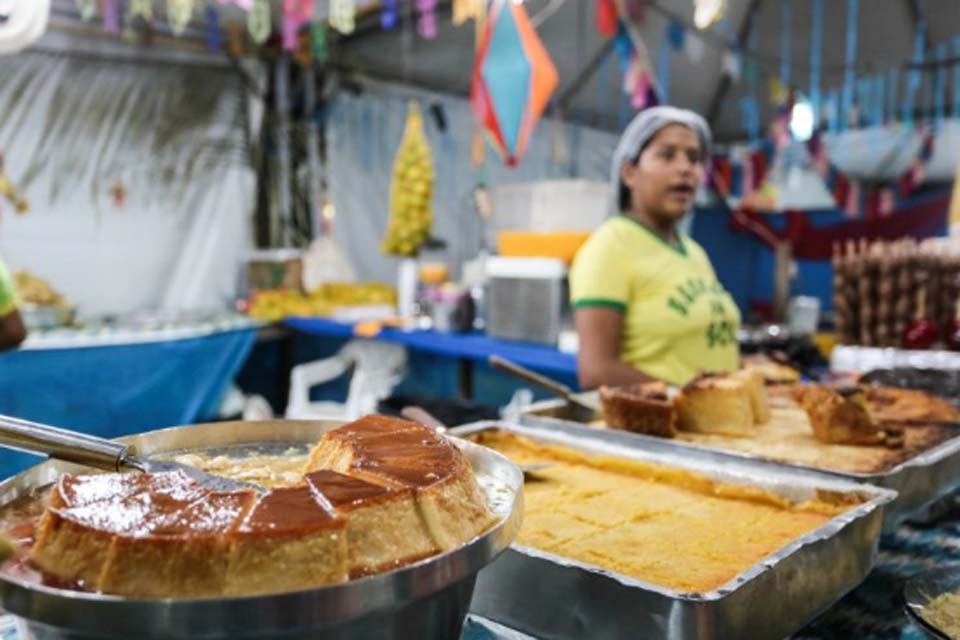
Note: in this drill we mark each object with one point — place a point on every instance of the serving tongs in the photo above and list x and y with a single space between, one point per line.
557 388
100 453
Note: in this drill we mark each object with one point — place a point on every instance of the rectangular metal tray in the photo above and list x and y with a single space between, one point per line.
549 596
920 481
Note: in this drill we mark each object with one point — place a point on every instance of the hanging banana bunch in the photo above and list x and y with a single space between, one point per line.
411 190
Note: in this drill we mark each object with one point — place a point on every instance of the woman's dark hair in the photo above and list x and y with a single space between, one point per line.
623 192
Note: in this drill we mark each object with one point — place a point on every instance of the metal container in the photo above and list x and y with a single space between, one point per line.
549 596
920 482
525 299
428 599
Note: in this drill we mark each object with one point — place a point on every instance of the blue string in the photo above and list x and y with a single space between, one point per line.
880 84
913 81
892 95
941 85
785 33
956 79
833 109
853 17
816 38
663 66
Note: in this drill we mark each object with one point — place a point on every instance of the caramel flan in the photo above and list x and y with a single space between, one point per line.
377 493
405 455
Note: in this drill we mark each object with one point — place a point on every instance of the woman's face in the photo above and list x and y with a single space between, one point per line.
665 178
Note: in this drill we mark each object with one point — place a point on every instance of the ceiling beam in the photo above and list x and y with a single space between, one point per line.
713 111
563 99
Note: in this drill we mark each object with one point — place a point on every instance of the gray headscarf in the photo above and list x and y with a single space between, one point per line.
645 125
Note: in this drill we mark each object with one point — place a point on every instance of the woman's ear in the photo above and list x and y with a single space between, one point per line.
628 173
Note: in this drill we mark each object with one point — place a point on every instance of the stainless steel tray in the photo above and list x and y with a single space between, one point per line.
549 596
428 599
919 481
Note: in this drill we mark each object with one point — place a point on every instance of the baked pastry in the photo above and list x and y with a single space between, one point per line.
908 405
753 382
641 408
841 417
717 403
407 493
772 372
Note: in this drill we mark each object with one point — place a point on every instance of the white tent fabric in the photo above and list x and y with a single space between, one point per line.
118 161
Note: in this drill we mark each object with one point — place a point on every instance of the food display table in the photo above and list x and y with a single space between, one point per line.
115 380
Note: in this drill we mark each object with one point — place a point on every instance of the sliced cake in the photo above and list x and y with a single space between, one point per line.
716 404
841 417
753 382
641 408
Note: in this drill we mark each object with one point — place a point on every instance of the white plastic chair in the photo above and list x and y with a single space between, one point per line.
377 368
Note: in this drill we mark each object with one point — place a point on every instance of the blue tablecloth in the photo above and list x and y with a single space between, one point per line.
120 389
470 346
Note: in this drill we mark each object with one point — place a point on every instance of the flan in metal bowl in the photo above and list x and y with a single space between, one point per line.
427 599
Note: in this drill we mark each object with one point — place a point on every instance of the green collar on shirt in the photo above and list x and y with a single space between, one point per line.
679 247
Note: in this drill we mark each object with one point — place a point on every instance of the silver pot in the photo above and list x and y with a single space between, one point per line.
428 599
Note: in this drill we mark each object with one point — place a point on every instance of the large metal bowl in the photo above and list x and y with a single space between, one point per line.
428 599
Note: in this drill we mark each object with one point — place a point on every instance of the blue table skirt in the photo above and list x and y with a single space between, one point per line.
470 346
119 389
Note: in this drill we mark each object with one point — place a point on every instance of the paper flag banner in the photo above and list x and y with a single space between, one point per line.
88 9
318 41
731 65
427 19
212 30
389 14
694 47
778 91
179 13
676 34
111 16
342 15
295 14
513 78
258 21
607 18
464 10
140 9
246 5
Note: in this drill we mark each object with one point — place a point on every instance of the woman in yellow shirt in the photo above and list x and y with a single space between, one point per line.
647 303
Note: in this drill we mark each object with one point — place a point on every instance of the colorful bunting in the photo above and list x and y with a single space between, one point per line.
87 8
258 21
318 42
140 9
246 5
179 13
607 18
676 34
464 10
342 14
111 16
389 14
296 13
427 19
212 28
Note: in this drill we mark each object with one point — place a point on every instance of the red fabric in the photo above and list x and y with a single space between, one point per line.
841 190
606 18
759 162
815 243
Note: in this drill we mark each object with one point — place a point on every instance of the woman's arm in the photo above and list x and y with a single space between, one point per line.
12 331
600 330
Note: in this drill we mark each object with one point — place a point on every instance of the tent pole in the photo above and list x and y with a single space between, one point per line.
725 82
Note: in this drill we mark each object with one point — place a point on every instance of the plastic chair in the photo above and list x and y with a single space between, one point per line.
377 368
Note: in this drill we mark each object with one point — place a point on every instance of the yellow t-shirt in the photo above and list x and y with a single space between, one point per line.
8 299
678 317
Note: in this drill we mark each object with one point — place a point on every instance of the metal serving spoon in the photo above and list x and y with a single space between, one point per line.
100 453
